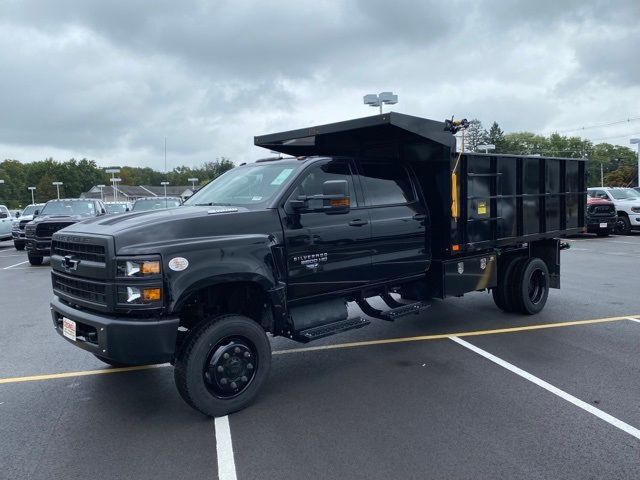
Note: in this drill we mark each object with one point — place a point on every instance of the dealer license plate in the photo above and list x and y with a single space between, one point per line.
603 225
69 328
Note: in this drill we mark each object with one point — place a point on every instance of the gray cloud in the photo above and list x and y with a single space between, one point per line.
109 80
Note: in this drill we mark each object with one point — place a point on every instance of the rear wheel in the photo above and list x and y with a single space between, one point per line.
34 260
501 290
530 287
223 364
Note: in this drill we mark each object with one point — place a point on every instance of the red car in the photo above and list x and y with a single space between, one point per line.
600 216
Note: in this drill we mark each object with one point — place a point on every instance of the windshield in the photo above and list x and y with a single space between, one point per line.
624 193
155 204
29 209
247 186
70 207
115 207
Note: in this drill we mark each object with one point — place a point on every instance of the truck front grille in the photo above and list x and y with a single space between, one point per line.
45 230
82 251
94 292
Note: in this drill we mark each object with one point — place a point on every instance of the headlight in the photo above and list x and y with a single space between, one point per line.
138 268
635 209
138 295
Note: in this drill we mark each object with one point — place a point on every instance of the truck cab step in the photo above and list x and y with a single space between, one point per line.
330 329
398 309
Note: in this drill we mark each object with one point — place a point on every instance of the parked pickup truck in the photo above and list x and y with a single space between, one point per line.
627 203
365 208
19 224
54 216
601 216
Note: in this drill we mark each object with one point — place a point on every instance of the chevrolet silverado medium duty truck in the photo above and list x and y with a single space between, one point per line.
363 208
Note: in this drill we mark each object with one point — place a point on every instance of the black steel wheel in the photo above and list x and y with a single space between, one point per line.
623 225
222 365
531 287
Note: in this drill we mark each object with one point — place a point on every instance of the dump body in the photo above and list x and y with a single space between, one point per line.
502 199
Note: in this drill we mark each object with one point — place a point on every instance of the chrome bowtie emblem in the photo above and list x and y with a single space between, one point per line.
69 263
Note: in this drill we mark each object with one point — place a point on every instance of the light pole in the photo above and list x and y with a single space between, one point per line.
33 200
193 181
486 148
374 100
101 193
636 141
114 187
164 184
113 172
1 181
57 184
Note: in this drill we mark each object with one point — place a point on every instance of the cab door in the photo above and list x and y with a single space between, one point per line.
399 220
326 251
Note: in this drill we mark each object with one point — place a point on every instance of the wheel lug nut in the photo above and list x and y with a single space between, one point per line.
224 381
243 379
225 356
237 350
234 385
249 366
247 354
220 369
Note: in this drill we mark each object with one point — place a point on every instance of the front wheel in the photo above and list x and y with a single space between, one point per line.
18 245
33 260
223 364
623 225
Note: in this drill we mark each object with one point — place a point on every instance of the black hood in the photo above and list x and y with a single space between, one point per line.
149 231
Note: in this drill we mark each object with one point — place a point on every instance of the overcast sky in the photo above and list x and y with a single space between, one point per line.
109 80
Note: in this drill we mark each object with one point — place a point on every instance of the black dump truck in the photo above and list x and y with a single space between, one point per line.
364 208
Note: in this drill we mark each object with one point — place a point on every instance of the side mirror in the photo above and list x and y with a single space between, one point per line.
336 195
17 214
36 213
127 209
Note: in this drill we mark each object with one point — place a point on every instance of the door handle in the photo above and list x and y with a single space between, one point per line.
419 216
357 222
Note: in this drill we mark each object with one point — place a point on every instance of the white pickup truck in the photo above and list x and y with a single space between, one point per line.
6 220
627 202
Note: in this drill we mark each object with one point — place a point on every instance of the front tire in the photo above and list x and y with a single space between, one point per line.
623 225
223 364
34 260
18 245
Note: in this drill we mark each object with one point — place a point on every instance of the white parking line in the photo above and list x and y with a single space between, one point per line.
15 265
625 427
633 319
224 449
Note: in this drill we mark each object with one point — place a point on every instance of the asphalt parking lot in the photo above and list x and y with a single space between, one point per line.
461 391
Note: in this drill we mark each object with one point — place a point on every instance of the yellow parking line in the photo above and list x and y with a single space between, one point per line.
83 373
420 338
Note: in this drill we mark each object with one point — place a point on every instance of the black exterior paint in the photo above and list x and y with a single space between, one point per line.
301 257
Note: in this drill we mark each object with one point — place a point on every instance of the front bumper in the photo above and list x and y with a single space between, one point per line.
593 223
38 246
121 339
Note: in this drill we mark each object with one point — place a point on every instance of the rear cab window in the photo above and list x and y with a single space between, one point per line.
386 183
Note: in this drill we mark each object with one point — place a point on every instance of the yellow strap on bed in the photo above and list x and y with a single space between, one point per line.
455 207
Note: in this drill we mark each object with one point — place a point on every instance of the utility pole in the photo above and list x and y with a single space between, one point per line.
32 195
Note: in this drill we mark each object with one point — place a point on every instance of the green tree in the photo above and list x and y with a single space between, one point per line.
474 135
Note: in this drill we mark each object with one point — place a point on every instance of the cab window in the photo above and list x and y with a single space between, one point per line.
311 183
386 183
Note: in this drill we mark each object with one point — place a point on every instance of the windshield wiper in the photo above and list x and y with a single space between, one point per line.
210 204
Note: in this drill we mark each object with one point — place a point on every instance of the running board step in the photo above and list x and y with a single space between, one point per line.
330 329
396 312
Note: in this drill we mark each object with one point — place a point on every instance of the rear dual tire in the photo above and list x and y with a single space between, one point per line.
523 286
